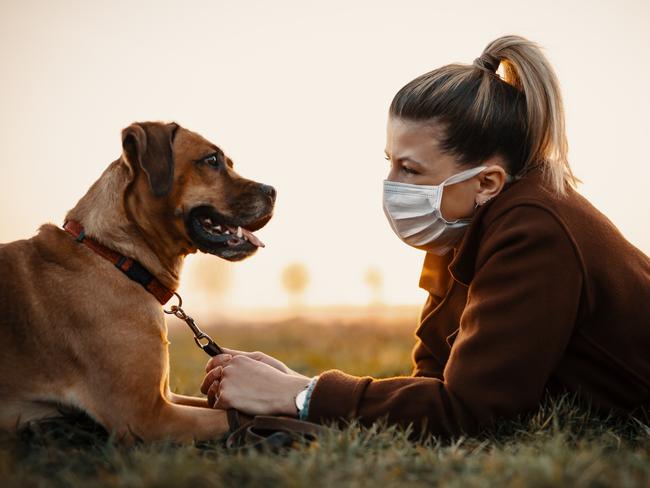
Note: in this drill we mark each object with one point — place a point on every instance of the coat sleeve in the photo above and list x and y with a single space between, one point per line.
521 309
425 363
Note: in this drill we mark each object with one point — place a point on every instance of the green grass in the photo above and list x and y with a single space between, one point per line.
561 444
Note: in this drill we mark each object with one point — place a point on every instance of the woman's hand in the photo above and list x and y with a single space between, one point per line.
257 355
252 386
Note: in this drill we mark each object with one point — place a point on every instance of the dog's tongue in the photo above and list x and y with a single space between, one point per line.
252 238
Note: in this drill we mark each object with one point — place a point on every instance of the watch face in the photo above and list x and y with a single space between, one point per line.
300 399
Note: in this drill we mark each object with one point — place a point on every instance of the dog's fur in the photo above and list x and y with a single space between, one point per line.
78 332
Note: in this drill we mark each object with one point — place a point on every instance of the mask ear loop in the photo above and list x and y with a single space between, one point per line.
468 174
464 175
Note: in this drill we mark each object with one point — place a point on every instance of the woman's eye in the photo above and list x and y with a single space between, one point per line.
211 160
402 168
409 171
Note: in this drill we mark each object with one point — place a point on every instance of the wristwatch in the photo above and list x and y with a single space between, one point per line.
300 400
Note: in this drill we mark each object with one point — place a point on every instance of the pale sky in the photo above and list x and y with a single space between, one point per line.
297 92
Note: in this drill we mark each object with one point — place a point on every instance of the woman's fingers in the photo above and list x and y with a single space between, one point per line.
213 394
232 352
254 388
228 354
219 360
213 375
257 355
246 377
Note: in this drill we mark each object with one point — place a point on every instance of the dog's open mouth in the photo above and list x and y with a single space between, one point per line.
234 236
213 233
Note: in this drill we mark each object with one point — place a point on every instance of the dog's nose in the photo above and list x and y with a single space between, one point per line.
269 190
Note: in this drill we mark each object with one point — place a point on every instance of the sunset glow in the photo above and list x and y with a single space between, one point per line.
297 93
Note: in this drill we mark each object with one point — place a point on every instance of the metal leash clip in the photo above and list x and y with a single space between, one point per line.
203 340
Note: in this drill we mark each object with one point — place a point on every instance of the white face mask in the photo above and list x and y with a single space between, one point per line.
413 212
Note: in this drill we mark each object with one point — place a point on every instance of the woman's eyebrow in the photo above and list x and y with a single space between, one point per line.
404 158
414 162
408 158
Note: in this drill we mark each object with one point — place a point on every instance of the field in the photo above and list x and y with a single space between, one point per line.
562 444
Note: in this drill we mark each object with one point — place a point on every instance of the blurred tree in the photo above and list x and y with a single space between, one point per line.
295 279
375 282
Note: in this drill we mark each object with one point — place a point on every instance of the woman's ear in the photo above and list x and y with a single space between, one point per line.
491 182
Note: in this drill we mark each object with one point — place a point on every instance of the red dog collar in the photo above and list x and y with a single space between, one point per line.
130 267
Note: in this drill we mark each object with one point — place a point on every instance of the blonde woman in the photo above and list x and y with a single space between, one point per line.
530 287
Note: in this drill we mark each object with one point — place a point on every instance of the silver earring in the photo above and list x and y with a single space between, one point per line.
480 204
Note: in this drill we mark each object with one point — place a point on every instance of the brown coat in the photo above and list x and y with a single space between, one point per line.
543 292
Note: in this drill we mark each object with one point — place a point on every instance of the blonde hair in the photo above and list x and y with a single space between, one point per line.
519 115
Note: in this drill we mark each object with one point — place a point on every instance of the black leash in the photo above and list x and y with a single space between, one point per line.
205 342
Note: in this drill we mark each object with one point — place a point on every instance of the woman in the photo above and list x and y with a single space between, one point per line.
530 287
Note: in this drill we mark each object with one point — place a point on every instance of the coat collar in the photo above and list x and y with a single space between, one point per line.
435 276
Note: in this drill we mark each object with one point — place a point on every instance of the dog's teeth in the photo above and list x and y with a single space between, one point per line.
239 232
218 228
227 232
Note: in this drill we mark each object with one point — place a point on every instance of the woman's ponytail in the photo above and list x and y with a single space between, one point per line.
519 116
525 67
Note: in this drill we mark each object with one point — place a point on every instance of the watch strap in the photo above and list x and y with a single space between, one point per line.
304 412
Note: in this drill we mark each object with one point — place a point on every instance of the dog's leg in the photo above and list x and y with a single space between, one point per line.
184 423
141 406
189 401
166 421
184 399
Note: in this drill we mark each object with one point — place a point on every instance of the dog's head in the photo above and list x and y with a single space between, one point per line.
187 184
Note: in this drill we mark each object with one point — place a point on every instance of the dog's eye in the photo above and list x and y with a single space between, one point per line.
211 160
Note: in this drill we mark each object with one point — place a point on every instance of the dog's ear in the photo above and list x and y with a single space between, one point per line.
148 145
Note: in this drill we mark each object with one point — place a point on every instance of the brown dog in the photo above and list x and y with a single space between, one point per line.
78 332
